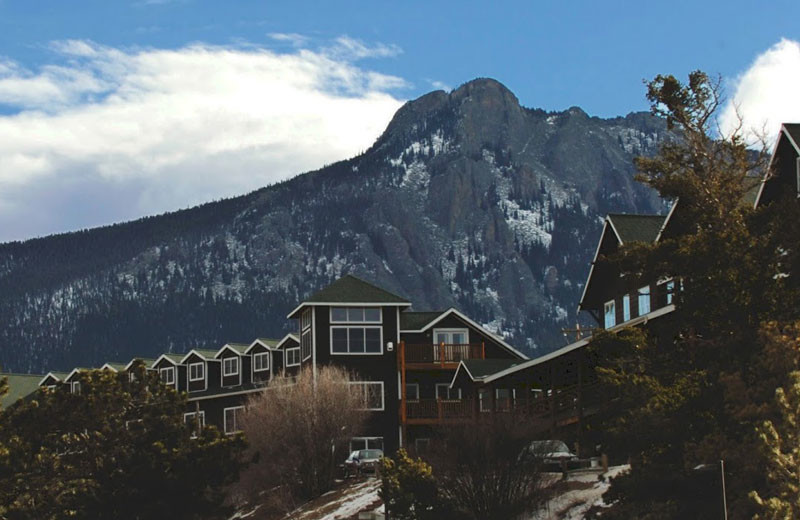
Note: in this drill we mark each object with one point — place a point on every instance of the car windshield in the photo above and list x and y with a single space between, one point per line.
370 454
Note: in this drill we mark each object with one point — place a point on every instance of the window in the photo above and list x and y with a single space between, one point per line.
305 344
231 419
644 300
292 357
230 366
670 291
167 375
76 387
370 394
305 320
610 311
626 307
356 340
412 392
366 443
196 421
261 362
483 400
355 315
451 336
502 397
444 392
197 372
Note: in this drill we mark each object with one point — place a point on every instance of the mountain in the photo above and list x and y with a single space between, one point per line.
467 199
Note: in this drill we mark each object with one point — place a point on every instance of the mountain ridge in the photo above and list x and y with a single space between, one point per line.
467 199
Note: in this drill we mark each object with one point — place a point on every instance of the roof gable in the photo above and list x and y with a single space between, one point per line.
636 228
410 321
350 290
20 386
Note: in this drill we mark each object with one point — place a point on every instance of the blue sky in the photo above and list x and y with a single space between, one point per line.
104 105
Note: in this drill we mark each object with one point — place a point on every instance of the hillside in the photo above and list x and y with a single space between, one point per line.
467 199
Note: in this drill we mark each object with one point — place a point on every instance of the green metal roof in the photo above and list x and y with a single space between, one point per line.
205 352
269 341
417 320
480 368
238 347
349 289
636 228
20 386
116 365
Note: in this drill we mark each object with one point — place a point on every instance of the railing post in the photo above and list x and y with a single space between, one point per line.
441 353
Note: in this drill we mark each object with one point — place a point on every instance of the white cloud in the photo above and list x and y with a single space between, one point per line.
766 93
112 134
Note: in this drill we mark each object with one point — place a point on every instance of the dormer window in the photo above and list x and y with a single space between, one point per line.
610 314
626 307
197 371
167 375
261 362
230 366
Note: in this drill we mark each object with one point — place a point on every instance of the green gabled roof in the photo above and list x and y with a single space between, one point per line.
238 347
172 357
205 352
636 228
20 386
148 362
116 365
349 289
481 368
417 320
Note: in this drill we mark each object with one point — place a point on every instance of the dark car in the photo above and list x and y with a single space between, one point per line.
552 455
362 461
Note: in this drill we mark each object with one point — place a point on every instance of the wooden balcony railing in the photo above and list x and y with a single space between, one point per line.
439 410
442 353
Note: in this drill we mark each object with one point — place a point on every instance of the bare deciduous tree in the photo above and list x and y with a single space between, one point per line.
487 470
298 430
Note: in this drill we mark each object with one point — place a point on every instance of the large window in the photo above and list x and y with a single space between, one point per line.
356 340
626 307
230 366
197 371
196 421
366 443
483 400
261 362
292 357
610 312
644 300
451 336
231 419
355 315
167 375
370 394
444 392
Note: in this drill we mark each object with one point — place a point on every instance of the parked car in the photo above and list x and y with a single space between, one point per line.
551 454
362 461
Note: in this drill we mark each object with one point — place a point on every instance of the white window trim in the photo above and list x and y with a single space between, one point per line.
348 322
189 371
167 370
613 305
259 355
483 404
380 342
225 420
202 415
447 386
225 373
75 387
451 331
366 442
286 356
626 302
364 384
412 384
644 292
310 347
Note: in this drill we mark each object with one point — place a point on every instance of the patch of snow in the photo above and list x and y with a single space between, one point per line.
561 313
574 504
362 497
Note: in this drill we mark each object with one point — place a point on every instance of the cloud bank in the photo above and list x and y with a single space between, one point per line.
110 134
766 93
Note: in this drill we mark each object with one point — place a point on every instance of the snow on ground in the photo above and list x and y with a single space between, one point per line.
358 497
586 491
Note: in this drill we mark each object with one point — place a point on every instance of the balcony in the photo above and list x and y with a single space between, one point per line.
438 411
443 355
